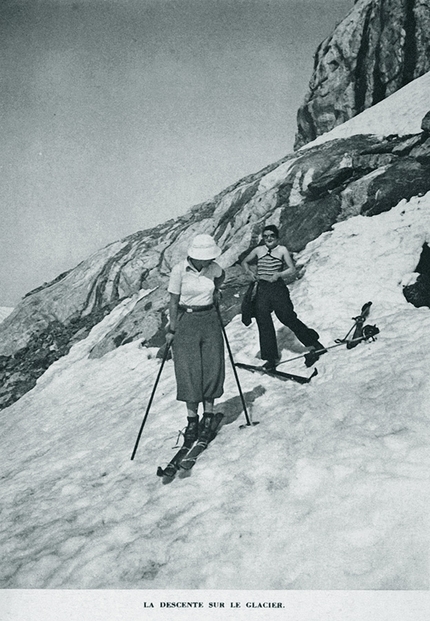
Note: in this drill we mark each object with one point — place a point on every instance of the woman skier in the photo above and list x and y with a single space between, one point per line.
195 333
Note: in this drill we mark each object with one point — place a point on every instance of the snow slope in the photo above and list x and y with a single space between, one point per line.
331 489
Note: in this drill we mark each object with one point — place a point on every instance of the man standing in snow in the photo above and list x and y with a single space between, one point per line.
273 263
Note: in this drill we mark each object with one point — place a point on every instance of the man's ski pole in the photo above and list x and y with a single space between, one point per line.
248 420
371 333
166 352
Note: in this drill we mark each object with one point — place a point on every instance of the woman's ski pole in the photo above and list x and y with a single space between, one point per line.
248 420
166 352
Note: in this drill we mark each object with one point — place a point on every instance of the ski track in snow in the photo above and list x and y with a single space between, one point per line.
329 491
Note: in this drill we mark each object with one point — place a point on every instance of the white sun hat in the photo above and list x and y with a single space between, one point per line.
204 248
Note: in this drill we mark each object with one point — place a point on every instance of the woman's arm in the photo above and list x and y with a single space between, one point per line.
218 282
173 317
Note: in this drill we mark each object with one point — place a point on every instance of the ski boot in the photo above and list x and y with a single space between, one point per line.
312 356
191 432
270 365
206 428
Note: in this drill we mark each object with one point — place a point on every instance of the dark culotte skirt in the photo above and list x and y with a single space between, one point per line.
198 354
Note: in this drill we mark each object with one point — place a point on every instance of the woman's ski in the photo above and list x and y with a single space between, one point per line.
190 459
172 467
186 457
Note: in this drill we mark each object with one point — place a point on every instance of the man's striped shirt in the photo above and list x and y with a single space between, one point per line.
269 264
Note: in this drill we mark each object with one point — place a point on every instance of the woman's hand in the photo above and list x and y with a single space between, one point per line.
251 274
170 335
217 297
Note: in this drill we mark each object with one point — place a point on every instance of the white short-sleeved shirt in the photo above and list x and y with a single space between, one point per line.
194 288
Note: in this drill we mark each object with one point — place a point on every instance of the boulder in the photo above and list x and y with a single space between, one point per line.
425 125
381 46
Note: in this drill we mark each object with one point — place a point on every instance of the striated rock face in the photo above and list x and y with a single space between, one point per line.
379 47
304 194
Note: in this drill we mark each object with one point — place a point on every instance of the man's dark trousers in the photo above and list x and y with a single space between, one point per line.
276 297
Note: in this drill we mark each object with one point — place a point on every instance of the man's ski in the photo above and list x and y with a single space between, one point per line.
275 373
358 334
361 333
188 461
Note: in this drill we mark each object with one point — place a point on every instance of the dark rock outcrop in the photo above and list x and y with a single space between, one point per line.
418 293
425 125
381 46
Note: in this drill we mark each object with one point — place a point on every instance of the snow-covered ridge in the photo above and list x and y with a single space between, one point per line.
400 114
5 311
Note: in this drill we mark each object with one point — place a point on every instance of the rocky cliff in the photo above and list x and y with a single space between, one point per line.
344 174
378 48
304 194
